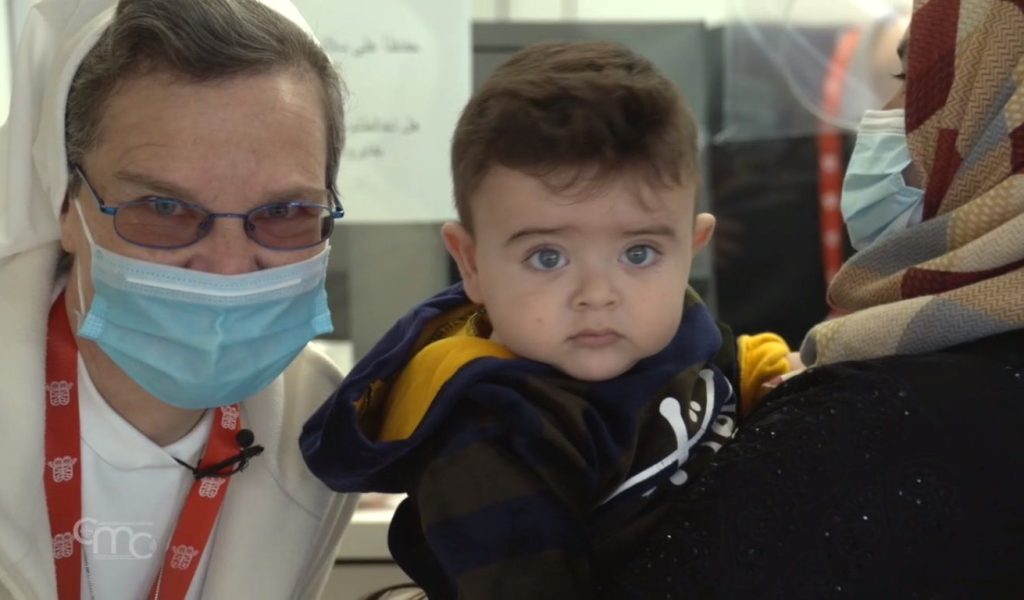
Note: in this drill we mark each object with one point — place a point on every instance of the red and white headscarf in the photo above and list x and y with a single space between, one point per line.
959 275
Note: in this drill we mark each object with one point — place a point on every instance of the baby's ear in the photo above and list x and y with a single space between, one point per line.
459 243
703 228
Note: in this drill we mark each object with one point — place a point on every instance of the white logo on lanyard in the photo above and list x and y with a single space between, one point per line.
210 487
229 418
182 556
59 393
63 545
62 469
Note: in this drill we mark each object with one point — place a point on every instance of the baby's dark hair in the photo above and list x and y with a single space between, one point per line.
596 109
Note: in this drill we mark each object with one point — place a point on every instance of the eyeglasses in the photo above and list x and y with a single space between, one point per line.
167 223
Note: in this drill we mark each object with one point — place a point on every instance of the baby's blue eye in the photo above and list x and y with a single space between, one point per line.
547 259
640 255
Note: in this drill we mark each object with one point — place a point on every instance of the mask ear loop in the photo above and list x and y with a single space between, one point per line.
892 121
80 313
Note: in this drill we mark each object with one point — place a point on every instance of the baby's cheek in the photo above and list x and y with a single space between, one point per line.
661 333
527 337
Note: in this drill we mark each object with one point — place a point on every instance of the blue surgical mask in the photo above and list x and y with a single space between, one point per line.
198 340
876 201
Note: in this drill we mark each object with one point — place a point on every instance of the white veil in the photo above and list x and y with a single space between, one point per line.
33 163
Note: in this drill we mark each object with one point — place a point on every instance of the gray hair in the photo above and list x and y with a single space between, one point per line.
202 40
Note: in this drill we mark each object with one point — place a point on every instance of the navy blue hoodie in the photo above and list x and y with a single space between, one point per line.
520 479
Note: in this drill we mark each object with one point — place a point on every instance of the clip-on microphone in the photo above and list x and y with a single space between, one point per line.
245 439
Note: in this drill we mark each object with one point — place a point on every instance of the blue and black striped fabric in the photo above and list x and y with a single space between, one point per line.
520 480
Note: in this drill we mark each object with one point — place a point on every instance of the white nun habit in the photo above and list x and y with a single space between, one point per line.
279 527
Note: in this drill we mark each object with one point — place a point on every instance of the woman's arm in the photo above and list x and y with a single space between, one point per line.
898 477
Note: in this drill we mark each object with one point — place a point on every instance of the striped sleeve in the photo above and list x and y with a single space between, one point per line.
503 507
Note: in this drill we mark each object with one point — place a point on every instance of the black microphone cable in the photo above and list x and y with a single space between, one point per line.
247 450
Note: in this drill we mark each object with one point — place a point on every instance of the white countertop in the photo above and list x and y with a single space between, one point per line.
366 538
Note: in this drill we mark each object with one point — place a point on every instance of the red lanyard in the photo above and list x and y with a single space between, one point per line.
64 485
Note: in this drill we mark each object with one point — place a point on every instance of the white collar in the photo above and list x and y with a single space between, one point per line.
123 446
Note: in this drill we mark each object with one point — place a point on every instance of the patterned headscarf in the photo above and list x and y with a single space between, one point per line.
959 275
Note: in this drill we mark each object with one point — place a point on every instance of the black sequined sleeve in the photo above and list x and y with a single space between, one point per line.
896 478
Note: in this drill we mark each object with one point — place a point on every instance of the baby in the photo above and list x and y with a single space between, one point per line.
541 413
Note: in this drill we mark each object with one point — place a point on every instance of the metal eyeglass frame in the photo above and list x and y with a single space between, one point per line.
206 226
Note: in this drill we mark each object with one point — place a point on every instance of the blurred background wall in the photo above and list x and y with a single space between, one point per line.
755 72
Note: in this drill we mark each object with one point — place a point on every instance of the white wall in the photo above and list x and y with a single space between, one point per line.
6 49
710 11
599 10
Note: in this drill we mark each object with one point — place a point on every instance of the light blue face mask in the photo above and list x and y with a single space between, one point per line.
199 340
876 201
